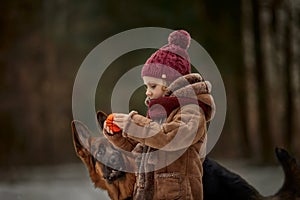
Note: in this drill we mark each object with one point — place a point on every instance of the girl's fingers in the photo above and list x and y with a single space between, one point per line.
106 128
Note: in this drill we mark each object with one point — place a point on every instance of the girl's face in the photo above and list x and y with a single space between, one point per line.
154 90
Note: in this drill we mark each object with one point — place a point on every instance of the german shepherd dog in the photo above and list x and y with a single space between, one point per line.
218 182
89 149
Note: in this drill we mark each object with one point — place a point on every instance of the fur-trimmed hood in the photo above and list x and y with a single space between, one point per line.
194 86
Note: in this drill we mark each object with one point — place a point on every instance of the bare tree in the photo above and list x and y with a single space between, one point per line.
294 9
271 46
272 79
252 116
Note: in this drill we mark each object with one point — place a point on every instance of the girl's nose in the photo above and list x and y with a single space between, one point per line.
148 93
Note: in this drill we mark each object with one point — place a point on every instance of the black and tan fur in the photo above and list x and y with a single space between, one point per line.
117 183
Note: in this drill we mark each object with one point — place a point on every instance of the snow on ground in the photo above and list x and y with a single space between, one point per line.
71 182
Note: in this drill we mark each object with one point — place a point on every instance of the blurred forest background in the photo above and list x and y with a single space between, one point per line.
255 44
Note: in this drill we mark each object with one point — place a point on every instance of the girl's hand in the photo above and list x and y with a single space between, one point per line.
107 129
109 126
121 119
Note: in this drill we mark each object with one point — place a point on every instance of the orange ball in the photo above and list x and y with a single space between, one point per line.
111 125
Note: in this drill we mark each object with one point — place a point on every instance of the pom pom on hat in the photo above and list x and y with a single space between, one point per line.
170 61
180 38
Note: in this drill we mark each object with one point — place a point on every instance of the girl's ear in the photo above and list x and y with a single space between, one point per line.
166 91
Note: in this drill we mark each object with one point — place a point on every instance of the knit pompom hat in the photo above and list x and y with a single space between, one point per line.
170 61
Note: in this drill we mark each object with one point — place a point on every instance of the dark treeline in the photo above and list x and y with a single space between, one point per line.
255 45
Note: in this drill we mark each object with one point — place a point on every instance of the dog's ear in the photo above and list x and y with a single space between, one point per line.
101 117
292 172
82 140
285 159
81 136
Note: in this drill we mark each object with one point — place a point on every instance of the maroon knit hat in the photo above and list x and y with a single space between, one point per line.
170 61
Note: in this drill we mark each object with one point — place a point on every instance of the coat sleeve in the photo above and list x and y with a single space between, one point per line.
118 140
185 128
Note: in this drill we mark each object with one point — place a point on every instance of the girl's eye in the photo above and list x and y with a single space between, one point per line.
152 86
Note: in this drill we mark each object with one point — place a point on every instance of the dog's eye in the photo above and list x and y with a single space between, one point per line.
101 151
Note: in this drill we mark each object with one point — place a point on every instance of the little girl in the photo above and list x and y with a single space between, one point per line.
172 137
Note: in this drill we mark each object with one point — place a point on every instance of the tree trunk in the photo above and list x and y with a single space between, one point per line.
252 116
54 86
294 7
272 82
281 22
